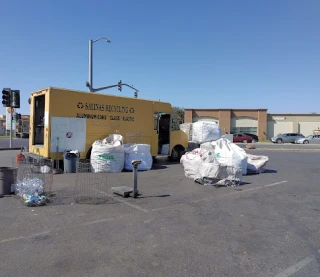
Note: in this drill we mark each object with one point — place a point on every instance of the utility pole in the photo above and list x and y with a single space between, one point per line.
89 83
11 100
6 102
90 66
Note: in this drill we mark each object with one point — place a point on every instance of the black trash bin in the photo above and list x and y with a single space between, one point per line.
70 162
6 180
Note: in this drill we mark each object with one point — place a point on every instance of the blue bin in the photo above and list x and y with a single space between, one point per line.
70 162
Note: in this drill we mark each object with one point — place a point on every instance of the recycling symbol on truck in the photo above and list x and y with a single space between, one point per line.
80 105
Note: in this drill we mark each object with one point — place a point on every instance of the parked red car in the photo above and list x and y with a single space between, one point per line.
241 138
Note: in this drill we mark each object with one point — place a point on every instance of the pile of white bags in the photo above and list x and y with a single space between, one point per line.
108 155
221 163
218 162
137 152
111 155
204 131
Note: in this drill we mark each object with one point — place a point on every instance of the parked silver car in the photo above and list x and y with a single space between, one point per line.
287 137
312 139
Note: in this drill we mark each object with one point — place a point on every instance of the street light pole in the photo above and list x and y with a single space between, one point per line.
90 66
89 83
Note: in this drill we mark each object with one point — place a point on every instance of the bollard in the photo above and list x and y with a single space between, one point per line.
135 164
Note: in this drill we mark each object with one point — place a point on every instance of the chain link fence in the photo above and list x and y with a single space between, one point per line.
83 187
91 187
39 170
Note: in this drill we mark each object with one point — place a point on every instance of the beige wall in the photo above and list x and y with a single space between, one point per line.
244 122
225 116
276 127
301 123
269 125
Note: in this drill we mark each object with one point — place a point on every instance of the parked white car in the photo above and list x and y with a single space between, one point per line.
312 139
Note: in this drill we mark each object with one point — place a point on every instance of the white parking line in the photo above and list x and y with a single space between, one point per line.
296 267
125 202
142 210
216 196
103 220
284 150
241 191
27 237
133 205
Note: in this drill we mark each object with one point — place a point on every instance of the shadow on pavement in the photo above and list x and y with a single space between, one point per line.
157 196
244 183
158 167
164 162
154 167
266 171
64 197
270 171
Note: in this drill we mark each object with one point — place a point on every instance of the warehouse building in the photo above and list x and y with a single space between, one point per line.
256 121
305 124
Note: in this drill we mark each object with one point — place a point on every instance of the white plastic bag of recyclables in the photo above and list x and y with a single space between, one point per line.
107 155
229 154
137 152
190 162
204 131
219 175
202 166
222 165
256 164
194 160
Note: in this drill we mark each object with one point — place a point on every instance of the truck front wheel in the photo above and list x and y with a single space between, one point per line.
176 154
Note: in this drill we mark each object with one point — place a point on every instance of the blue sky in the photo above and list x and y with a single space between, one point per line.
202 54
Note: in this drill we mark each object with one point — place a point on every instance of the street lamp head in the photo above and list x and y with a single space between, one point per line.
107 40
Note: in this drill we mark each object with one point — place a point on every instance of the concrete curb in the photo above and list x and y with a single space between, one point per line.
8 149
282 149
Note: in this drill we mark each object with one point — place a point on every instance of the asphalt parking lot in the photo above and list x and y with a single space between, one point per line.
269 226
16 143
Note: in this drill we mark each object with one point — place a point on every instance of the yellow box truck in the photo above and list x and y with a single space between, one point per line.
63 119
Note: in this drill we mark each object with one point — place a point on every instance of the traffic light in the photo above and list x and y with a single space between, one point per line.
135 94
6 97
18 116
120 85
15 99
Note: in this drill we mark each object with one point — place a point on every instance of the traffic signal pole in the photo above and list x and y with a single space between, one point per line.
11 126
11 99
